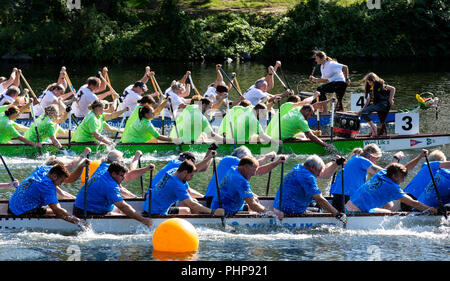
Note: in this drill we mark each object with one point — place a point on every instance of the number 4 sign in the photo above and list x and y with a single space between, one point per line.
407 123
357 102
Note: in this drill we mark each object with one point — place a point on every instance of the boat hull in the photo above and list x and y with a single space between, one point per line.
391 143
123 224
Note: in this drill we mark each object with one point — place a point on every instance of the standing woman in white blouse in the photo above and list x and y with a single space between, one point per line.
335 75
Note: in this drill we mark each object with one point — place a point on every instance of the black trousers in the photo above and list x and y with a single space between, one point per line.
333 87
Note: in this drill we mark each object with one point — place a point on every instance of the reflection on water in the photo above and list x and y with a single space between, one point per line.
397 241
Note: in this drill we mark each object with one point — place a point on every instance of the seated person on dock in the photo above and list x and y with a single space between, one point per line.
233 160
381 189
295 122
192 124
47 127
174 187
429 196
93 124
35 193
380 98
421 180
300 188
235 189
142 130
8 128
103 196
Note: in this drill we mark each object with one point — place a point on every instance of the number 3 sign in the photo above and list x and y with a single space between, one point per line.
407 123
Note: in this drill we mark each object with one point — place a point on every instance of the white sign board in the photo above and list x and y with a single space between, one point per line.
407 123
357 102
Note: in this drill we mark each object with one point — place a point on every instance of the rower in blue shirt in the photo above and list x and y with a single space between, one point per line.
383 188
34 194
300 188
174 164
355 173
422 179
231 161
429 196
174 187
235 189
104 195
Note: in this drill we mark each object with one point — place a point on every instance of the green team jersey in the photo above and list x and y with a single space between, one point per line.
140 131
292 123
272 128
234 114
3 108
191 124
46 129
247 125
131 119
89 125
7 130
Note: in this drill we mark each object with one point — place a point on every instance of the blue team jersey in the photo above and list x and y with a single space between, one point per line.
32 193
102 192
378 191
429 197
166 192
299 186
224 166
234 189
421 179
355 174
102 168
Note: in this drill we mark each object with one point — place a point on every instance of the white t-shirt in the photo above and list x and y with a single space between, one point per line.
255 95
47 98
332 71
4 98
211 92
85 97
176 102
2 89
130 99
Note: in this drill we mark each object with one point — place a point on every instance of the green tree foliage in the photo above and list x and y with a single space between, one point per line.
106 30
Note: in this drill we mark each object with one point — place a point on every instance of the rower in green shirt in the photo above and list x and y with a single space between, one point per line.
93 124
47 127
145 100
192 124
8 129
248 126
142 130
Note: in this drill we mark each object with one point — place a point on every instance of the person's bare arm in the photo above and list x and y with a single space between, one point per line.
130 212
254 205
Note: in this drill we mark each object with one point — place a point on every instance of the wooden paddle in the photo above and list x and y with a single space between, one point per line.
193 86
441 204
343 194
150 194
218 188
7 169
86 181
281 187
32 92
34 121
142 181
231 81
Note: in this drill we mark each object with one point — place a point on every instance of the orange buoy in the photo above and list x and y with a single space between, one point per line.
175 235
92 168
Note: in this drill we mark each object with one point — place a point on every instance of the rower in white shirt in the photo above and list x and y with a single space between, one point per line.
134 92
13 80
87 94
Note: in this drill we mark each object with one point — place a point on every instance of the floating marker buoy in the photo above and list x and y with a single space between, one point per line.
175 235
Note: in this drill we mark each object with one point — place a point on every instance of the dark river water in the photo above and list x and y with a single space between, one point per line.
328 243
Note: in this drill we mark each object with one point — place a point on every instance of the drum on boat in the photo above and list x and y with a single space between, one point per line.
346 125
